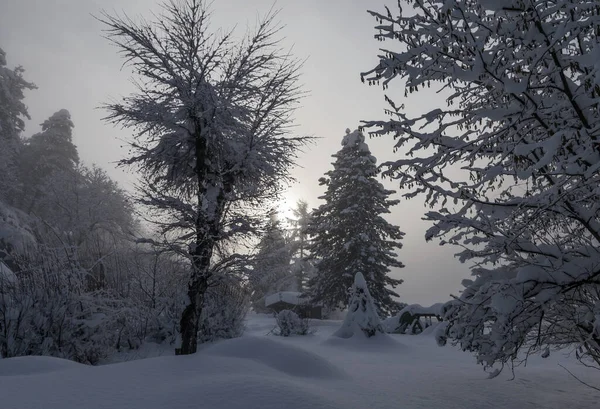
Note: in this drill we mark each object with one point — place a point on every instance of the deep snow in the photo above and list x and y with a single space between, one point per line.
316 371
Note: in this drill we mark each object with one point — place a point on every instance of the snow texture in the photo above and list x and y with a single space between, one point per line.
256 371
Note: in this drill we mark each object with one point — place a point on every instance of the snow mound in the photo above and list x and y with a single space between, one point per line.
382 374
288 359
191 382
377 343
15 228
34 365
6 274
431 330
244 391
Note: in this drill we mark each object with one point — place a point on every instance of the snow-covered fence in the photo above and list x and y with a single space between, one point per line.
413 319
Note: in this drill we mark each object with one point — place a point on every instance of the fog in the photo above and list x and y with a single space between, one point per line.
61 46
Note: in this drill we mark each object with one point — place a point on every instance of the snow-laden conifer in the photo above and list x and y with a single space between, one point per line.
13 111
270 266
362 317
349 232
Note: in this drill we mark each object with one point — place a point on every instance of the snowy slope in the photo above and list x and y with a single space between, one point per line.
259 371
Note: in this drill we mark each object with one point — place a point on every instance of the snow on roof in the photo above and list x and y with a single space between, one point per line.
435 309
289 297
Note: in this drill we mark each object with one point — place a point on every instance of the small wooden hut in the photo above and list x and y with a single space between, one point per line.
293 301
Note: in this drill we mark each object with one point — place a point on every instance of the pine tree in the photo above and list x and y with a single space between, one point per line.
12 112
349 233
45 155
271 267
302 269
362 314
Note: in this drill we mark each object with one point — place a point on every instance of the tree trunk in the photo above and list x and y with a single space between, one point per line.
207 233
190 319
201 254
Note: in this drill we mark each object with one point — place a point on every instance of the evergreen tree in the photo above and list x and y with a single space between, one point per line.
302 269
271 267
12 112
350 234
53 147
46 155
362 314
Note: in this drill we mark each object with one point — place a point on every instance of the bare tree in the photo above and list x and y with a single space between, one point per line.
212 121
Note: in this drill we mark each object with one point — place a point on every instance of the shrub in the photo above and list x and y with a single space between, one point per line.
289 323
224 312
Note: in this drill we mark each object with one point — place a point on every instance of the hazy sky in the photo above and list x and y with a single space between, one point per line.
61 47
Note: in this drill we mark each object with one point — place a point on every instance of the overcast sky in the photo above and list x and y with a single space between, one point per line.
60 45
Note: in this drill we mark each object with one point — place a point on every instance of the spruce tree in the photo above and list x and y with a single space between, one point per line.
298 243
12 114
46 155
271 267
349 232
362 314
53 148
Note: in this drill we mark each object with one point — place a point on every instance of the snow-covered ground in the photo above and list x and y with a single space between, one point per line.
316 371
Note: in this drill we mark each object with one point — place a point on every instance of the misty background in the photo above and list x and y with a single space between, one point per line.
60 45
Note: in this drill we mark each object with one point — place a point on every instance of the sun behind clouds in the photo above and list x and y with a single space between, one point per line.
285 207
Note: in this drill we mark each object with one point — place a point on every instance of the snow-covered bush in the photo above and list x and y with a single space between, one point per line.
362 314
45 310
56 324
289 323
224 312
